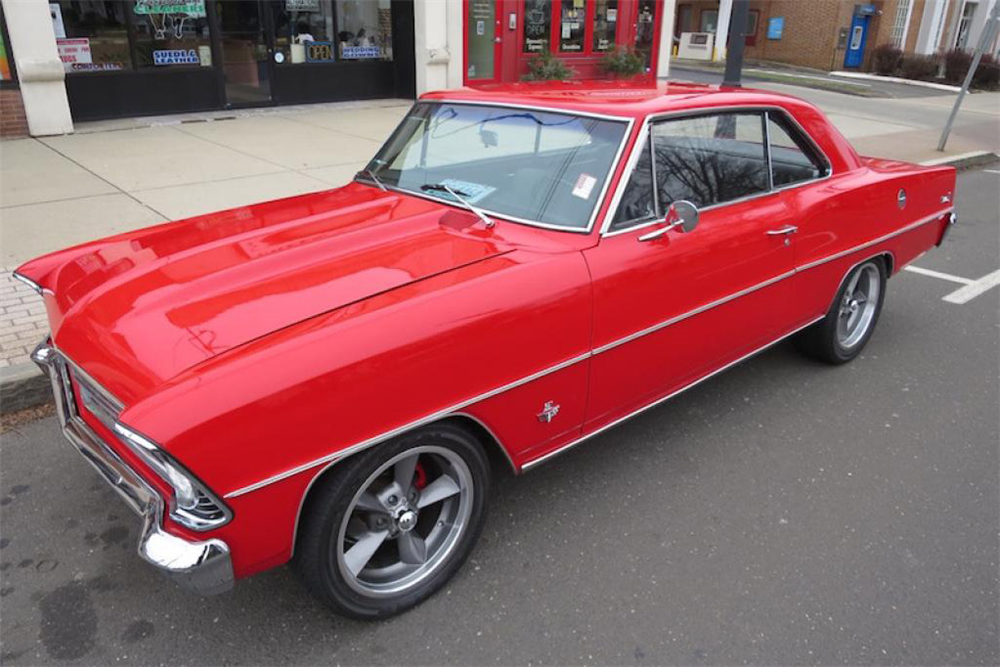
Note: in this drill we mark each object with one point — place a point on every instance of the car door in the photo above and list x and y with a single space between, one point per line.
671 307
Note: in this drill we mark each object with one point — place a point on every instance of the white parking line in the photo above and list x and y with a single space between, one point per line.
938 274
972 290
992 171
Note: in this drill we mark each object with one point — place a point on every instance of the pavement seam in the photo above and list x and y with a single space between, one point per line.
96 175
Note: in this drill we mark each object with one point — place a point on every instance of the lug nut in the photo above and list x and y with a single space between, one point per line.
392 500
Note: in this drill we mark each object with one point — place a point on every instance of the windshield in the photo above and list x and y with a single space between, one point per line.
527 165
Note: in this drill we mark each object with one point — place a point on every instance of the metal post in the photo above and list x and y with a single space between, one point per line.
737 39
984 39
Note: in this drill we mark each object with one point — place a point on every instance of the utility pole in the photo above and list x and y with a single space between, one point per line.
737 39
985 37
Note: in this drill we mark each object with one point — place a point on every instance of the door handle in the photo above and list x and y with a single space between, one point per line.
787 229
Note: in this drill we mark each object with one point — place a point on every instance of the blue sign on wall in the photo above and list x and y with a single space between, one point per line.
775 26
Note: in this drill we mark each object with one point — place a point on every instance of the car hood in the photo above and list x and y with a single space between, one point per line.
138 309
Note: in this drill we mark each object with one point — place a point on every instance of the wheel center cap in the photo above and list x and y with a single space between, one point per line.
407 520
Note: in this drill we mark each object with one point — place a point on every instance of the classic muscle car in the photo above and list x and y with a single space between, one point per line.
331 378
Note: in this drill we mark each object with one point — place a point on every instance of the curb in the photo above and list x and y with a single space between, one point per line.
23 386
898 79
964 160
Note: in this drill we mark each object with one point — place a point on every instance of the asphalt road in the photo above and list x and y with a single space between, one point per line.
784 512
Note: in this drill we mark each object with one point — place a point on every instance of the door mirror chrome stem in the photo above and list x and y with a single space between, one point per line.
682 216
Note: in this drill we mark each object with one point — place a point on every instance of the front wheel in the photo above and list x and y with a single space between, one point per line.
394 523
843 333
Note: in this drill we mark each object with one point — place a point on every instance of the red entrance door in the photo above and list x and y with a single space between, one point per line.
482 41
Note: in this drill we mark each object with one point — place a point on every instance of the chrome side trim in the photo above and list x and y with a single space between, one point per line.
35 287
673 115
881 239
364 444
545 457
691 313
457 408
598 203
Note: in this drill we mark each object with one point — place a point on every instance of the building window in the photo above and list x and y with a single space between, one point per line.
537 25
645 29
91 36
303 31
899 22
364 29
572 24
605 24
964 23
171 34
709 20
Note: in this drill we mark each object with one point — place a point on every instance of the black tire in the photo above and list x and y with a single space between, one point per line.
823 340
328 506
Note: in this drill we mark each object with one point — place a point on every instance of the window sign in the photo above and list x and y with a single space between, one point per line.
176 57
302 5
360 52
74 51
57 20
169 16
775 26
319 52
573 16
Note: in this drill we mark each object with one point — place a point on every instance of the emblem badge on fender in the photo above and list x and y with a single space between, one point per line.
549 412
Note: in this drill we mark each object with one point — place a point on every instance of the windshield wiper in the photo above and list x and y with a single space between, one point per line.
371 174
460 197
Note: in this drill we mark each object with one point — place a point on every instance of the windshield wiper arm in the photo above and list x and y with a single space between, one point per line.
371 174
460 197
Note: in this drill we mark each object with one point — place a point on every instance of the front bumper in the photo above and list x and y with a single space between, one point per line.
202 567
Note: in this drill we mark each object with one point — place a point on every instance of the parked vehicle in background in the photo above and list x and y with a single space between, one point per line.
334 378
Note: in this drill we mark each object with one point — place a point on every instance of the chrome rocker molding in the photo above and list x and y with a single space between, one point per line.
457 410
546 457
202 567
35 287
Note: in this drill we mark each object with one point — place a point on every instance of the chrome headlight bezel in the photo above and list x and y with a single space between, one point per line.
192 504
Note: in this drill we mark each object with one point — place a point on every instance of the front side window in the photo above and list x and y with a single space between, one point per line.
536 166
637 204
710 160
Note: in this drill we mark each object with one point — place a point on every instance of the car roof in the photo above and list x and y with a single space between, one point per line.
627 99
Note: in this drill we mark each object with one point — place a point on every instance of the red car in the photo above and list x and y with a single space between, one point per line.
331 378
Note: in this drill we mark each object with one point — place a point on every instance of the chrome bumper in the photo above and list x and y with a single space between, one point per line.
952 219
202 567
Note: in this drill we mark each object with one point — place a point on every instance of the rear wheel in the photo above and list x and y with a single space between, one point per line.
843 333
391 526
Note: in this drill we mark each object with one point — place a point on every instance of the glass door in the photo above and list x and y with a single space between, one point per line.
246 52
482 30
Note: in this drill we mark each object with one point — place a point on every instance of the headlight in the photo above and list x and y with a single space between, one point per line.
192 505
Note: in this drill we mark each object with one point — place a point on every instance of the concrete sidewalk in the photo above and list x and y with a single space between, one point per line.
114 176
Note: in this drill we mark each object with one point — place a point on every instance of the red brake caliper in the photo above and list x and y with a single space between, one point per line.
420 476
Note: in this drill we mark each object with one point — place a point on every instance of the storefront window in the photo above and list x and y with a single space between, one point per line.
605 24
645 29
364 29
91 36
537 25
572 25
303 31
5 70
171 33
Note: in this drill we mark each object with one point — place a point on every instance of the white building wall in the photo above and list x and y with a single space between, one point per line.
40 73
440 53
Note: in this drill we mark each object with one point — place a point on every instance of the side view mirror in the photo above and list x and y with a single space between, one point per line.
682 216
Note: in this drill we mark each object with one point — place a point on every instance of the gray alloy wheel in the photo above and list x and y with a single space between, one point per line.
845 330
858 305
387 527
397 531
